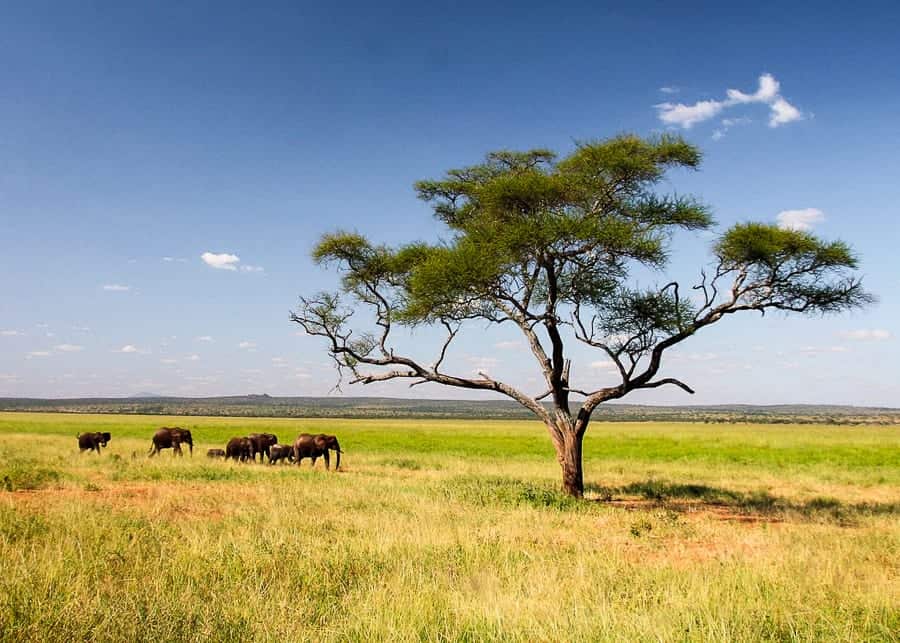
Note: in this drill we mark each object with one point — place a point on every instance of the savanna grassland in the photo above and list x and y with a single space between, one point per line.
450 530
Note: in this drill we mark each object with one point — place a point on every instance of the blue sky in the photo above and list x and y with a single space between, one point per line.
135 139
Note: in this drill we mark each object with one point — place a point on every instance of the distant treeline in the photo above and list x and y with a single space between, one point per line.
369 407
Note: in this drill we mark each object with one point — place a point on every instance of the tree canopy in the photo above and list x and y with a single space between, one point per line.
550 246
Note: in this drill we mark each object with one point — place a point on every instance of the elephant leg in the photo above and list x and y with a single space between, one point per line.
327 463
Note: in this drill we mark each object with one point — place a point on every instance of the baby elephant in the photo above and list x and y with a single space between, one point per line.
215 453
92 441
281 452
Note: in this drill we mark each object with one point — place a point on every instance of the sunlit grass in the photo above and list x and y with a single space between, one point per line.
450 531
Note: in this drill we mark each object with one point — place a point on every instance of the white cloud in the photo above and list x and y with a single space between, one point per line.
226 261
767 93
38 354
205 338
247 345
507 346
69 348
687 116
116 288
222 261
168 361
193 358
173 259
799 219
866 334
669 90
783 112
10 333
131 348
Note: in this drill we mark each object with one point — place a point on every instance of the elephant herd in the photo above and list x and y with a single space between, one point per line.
267 447
243 449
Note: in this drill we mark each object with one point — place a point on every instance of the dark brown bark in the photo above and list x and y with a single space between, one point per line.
569 454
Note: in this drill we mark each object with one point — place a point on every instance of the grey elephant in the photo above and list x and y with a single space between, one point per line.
262 443
171 437
316 446
241 449
215 453
92 441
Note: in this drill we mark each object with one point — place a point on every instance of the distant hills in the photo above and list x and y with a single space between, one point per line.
382 407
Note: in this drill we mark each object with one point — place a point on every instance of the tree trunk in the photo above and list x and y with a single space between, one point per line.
569 455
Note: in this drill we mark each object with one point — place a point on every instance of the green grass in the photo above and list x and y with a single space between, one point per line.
450 531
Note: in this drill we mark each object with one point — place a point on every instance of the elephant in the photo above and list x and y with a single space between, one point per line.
313 446
215 453
171 437
241 449
281 452
92 441
262 443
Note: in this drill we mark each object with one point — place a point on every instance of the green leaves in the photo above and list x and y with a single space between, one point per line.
790 269
758 244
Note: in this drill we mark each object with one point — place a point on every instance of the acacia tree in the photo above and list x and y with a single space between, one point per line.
549 245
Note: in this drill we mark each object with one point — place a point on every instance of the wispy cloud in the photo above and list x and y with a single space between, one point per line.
11 333
205 338
132 349
193 357
249 268
174 259
246 345
686 116
726 124
800 219
38 354
812 351
116 288
866 334
669 90
507 346
482 364
69 348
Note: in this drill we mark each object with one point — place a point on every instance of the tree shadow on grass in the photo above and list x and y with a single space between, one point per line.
762 504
